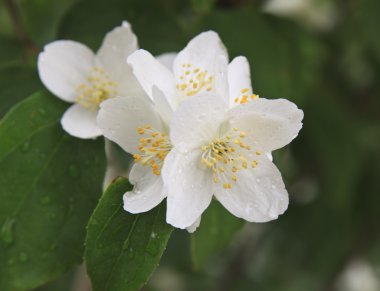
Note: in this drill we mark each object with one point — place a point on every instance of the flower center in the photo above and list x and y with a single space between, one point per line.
98 88
245 96
154 147
193 81
227 156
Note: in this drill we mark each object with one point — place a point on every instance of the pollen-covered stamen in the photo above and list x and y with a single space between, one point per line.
228 155
98 88
245 96
194 80
153 148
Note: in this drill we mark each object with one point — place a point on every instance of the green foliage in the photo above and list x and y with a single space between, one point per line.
10 51
217 229
16 83
122 250
49 185
274 48
50 182
41 18
157 38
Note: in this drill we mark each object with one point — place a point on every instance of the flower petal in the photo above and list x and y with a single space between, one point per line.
196 121
147 193
118 163
120 117
269 124
192 228
189 188
80 122
167 59
162 105
63 65
117 45
150 72
207 53
239 78
259 194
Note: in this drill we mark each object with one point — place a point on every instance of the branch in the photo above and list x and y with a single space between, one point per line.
21 35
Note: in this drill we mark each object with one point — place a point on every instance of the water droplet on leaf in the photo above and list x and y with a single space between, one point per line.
42 111
74 171
45 200
7 231
25 146
23 257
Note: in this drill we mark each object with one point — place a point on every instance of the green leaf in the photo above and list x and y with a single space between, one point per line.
16 83
218 227
122 250
49 185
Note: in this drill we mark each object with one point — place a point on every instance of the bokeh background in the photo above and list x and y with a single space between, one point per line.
324 55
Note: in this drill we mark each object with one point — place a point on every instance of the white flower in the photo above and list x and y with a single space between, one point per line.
117 164
206 89
134 123
72 72
218 150
200 67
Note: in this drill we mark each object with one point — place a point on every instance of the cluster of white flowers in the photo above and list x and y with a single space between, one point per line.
191 121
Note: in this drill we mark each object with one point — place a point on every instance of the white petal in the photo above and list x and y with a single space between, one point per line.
239 78
192 228
167 59
118 163
259 195
80 122
189 188
162 105
269 124
147 193
63 65
117 45
207 53
120 117
197 121
150 72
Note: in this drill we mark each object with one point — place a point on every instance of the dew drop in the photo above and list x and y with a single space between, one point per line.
23 257
11 261
7 231
258 180
45 200
53 247
153 235
74 171
273 186
25 146
52 215
42 111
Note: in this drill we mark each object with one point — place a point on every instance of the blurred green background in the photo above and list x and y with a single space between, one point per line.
324 55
